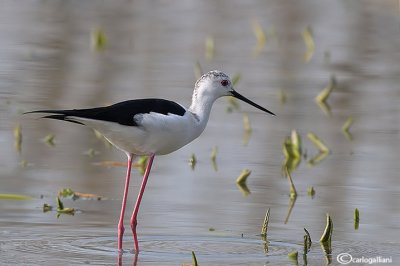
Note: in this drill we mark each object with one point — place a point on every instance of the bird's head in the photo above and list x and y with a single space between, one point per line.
216 84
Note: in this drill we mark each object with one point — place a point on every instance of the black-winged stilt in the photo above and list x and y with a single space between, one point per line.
152 127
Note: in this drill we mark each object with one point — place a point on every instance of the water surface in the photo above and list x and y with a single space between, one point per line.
47 61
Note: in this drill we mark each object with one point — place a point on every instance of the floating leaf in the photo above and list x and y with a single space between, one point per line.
210 48
14 197
99 40
356 219
18 138
211 229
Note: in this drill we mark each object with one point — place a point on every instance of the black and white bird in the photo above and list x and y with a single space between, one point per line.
152 127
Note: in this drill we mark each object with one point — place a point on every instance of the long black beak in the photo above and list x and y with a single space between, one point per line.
241 97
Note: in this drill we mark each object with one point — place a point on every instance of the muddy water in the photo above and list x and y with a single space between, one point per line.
47 61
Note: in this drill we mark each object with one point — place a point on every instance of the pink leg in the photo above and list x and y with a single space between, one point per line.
121 228
139 199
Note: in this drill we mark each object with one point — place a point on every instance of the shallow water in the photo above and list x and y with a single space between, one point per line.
46 61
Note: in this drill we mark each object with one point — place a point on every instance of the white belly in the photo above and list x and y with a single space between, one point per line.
159 134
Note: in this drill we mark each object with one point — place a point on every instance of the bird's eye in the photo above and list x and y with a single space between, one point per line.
225 82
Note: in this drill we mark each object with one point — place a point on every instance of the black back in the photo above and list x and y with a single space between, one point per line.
121 113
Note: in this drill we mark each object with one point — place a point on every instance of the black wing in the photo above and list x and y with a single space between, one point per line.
121 113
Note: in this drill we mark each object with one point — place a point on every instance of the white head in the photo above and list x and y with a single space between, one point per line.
215 84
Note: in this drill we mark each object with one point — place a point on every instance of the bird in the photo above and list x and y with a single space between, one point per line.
150 127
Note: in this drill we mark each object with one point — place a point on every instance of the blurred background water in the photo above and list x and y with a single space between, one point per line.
48 60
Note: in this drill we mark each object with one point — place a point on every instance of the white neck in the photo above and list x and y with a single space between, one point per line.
201 107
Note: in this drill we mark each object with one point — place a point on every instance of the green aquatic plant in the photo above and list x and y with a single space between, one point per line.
18 138
194 259
235 79
327 235
293 256
142 163
317 142
311 191
293 192
100 136
198 71
247 129
99 40
326 239
91 152
308 39
264 228
243 176
346 128
49 139
282 96
307 241
322 97
62 210
214 153
210 48
47 207
261 37
192 161
14 197
323 149
292 150
356 219
241 181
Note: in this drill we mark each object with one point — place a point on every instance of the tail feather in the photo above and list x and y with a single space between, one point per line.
57 114
63 118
